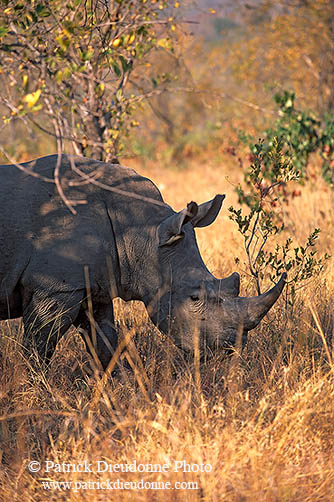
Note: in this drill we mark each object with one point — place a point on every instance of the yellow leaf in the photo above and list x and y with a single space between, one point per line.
67 33
59 76
31 99
128 39
164 42
116 42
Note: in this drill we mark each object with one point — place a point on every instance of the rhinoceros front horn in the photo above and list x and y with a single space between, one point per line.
257 306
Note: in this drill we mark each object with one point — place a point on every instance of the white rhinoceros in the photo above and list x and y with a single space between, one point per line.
123 242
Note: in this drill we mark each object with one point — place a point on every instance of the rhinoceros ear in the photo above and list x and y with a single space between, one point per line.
170 229
207 212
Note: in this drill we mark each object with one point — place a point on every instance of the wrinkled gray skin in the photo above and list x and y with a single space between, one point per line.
125 242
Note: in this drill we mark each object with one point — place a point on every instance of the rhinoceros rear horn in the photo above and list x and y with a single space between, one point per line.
258 306
230 285
170 229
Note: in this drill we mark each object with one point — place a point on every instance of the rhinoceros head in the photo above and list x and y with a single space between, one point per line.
191 301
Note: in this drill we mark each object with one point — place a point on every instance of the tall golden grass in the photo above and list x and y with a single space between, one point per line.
263 419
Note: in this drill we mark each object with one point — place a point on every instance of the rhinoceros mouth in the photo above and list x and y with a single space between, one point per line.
206 349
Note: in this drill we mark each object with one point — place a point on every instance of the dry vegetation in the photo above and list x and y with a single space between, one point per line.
263 420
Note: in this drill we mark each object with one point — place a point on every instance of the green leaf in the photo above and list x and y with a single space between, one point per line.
87 55
3 31
116 68
126 65
42 11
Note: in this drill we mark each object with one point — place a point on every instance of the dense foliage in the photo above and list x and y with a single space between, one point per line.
72 67
300 133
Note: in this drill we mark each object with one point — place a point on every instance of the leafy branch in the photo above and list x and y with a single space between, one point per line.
302 133
67 66
265 180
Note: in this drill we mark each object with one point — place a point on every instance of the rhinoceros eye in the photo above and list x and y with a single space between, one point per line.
194 298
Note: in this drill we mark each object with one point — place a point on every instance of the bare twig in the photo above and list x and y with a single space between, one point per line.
22 168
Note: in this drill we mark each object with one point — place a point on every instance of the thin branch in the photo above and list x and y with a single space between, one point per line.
21 167
110 188
58 134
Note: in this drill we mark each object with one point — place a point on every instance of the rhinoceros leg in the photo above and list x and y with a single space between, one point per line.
98 333
46 318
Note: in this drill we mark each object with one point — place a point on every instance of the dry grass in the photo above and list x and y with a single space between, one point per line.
264 420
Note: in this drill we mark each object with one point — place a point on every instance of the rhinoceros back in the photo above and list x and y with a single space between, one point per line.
44 245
